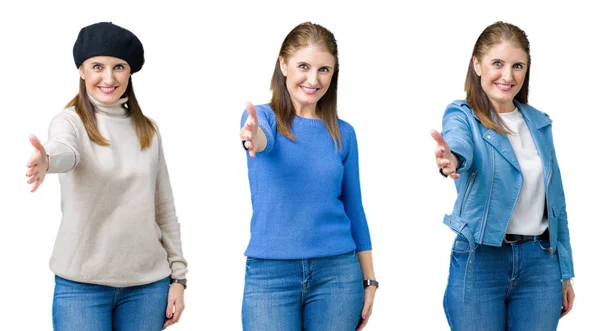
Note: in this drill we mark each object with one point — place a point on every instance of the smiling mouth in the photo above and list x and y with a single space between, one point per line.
308 90
504 87
107 89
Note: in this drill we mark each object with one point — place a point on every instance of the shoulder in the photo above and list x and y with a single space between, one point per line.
346 129
70 116
532 112
458 107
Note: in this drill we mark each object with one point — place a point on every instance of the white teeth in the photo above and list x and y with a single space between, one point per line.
107 89
504 86
308 90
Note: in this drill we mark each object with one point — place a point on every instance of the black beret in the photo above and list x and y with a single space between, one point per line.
107 39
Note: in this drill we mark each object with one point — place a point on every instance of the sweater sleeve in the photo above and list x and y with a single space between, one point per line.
351 195
267 122
457 134
166 217
62 146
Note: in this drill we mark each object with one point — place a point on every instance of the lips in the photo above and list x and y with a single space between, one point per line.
107 89
504 87
308 90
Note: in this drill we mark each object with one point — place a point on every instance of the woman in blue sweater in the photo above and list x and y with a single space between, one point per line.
511 262
309 263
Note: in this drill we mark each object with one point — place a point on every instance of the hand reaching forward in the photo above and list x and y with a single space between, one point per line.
37 165
249 132
444 158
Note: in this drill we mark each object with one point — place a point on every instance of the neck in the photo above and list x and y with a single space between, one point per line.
116 109
506 107
306 111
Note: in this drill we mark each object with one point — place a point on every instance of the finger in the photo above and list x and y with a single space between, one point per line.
177 315
437 137
36 184
443 163
31 171
36 142
251 110
170 309
248 144
34 159
440 152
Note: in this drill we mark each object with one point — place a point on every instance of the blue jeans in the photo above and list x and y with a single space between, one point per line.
89 307
513 287
324 294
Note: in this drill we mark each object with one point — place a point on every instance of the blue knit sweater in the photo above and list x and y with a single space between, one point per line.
306 196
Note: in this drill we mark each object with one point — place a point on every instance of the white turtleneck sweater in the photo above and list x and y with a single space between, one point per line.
528 215
119 227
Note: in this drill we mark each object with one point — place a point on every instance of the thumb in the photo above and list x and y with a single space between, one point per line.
251 110
36 143
170 308
438 137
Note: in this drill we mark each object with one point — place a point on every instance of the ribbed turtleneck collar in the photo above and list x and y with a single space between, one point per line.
116 109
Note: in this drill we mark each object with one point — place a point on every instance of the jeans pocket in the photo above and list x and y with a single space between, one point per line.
544 244
461 245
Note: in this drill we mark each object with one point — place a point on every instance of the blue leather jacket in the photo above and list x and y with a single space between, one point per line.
490 180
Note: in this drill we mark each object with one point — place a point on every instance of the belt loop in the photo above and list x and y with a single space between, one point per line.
468 284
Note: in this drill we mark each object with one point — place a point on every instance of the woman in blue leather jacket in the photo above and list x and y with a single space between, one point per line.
511 263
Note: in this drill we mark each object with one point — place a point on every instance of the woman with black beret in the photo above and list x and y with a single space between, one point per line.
117 258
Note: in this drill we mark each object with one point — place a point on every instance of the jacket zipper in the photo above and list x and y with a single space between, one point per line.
462 206
547 204
487 210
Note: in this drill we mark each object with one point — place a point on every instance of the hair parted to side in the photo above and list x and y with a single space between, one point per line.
144 128
476 98
301 36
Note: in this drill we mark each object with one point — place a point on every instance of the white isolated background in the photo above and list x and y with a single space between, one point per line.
401 64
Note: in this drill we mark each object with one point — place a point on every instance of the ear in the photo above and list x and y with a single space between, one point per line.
477 66
283 66
81 74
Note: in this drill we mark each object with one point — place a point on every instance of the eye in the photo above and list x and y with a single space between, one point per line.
119 67
97 67
497 64
324 69
303 66
518 66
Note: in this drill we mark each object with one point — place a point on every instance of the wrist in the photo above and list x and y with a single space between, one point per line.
567 283
370 282
180 282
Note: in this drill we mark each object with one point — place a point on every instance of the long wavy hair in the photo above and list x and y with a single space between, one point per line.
476 97
301 36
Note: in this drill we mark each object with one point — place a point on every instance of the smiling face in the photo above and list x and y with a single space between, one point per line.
502 71
308 73
106 78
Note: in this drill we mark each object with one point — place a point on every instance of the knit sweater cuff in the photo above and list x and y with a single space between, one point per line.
363 247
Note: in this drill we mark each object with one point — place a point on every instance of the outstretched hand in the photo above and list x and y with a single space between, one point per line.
37 165
446 161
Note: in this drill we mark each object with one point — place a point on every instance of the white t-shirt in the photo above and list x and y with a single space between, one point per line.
528 215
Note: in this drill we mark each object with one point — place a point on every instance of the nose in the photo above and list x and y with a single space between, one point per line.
108 77
507 74
312 77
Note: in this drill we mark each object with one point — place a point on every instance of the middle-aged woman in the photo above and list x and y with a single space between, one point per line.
309 234
117 257
511 263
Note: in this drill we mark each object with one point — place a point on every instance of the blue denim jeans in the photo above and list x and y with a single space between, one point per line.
89 307
322 294
513 287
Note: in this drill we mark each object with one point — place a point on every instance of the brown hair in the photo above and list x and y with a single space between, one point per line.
476 97
144 128
301 36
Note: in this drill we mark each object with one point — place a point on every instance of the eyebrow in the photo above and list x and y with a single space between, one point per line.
304 62
102 64
494 60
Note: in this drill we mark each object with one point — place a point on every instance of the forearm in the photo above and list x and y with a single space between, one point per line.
62 158
365 259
